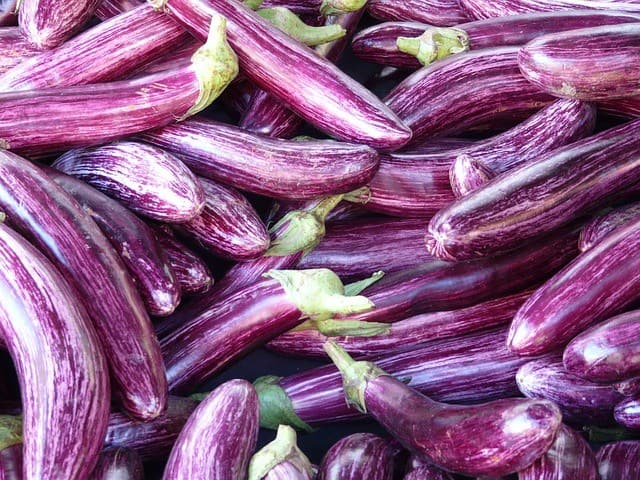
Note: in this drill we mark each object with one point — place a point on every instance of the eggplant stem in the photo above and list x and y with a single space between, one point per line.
434 44
288 22
351 328
356 287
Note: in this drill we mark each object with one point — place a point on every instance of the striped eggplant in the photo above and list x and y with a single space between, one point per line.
311 35
281 459
325 7
57 225
118 464
438 12
11 460
421 470
132 240
176 58
219 437
603 224
593 287
49 120
618 460
330 100
627 412
626 108
8 10
255 163
112 8
495 438
502 8
63 374
162 188
628 387
228 225
535 198
14 47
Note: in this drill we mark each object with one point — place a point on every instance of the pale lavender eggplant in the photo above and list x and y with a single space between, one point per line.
56 224
14 48
421 470
109 51
133 241
55 119
144 178
281 459
255 163
331 101
582 402
438 12
8 12
118 464
228 225
358 456
601 225
570 457
596 285
112 8
219 437
535 198
619 460
502 8
628 387
11 463
627 412
464 91
63 373
495 438
378 44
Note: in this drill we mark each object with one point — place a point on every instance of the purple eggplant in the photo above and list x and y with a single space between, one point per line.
627 412
56 224
438 12
112 8
14 47
326 7
177 58
8 11
255 163
420 470
581 401
58 357
502 8
162 188
619 460
601 225
46 120
219 437
330 100
311 35
628 387
495 438
118 464
132 240
11 460
281 459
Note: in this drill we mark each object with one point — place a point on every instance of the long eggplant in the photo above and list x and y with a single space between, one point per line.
46 120
59 360
255 163
133 241
502 8
14 47
281 459
378 44
56 224
495 438
112 8
330 100
438 12
219 437
118 464
601 225
539 196
627 412
618 460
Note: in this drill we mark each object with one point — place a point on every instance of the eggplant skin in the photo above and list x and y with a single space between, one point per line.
501 8
601 225
118 464
619 460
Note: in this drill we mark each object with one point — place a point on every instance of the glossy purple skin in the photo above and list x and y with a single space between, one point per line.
359 456
436 285
570 457
331 101
628 387
57 225
582 402
133 241
287 471
420 470
8 16
377 44
601 225
255 163
118 464
628 107
109 51
502 8
111 8
464 91
228 225
627 412
219 437
619 460
434 12
14 48
539 196
162 187
409 332
63 374
593 287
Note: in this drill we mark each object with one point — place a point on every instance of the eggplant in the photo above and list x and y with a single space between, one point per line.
539 196
495 438
255 163
54 119
439 12
177 58
281 459
325 7
57 225
628 386
502 8
420 470
58 357
15 48
618 460
219 437
357 456
581 401
627 412
8 10
601 225
11 460
133 241
118 464
112 8
331 101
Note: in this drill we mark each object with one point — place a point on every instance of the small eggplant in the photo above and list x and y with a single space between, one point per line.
281 459
118 464
619 460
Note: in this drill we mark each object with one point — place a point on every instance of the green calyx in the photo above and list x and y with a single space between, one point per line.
252 4
10 430
288 22
434 44
275 405
283 449
356 287
351 328
338 7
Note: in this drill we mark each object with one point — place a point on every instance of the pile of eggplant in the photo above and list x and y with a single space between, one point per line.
219 235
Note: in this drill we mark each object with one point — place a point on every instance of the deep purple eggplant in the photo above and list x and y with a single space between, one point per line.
8 10
255 163
628 387
118 464
133 241
58 357
112 8
502 8
535 198
162 187
330 100
281 459
14 47
593 287
582 402
438 12
570 457
602 225
11 460
421 470
619 460
56 224
464 91
219 437
627 412
325 7
54 119
495 438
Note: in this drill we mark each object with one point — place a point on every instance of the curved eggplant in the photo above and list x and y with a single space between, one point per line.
502 8
601 225
14 47
118 464
438 12
281 459
619 460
